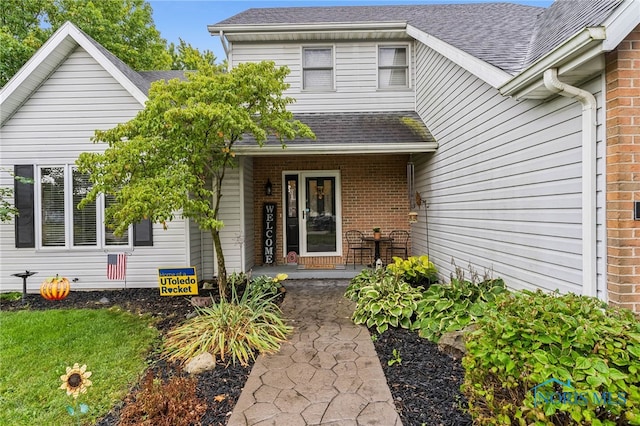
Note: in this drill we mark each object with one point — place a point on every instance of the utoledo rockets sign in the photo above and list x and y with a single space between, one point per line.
178 281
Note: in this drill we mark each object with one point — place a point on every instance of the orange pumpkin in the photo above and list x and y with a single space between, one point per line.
56 288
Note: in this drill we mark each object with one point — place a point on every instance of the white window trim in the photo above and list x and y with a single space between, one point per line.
333 68
68 215
409 69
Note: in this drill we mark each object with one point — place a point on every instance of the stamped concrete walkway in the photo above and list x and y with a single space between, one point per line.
328 372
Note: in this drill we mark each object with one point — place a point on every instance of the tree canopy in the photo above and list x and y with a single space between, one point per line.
124 27
173 155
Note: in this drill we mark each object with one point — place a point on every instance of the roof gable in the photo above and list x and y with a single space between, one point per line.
54 52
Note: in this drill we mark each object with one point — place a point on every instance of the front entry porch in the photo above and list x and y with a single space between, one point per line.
294 272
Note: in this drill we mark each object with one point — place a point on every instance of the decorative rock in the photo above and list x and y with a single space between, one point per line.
201 301
104 301
453 342
202 362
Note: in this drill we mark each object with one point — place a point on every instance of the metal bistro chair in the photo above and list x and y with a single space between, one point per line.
399 242
355 243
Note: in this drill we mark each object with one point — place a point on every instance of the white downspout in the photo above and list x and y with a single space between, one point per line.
589 122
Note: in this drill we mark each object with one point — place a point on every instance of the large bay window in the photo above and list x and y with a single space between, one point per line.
393 67
317 68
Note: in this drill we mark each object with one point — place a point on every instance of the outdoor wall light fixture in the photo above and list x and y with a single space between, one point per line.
413 217
268 188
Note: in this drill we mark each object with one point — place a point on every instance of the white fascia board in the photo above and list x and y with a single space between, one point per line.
586 42
311 149
481 69
37 60
67 30
621 22
287 28
91 48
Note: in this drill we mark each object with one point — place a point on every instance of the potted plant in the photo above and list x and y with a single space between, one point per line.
376 233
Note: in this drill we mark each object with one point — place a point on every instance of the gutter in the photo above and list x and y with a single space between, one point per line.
323 26
589 122
584 41
314 149
225 44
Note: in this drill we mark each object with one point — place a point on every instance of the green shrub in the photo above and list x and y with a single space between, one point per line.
416 270
267 286
549 359
383 299
451 307
238 328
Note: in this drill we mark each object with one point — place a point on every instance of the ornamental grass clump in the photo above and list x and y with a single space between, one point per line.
551 359
235 329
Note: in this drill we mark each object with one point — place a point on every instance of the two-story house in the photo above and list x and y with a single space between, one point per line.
510 130
513 125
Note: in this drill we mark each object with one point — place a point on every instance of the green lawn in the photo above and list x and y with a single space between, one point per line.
37 346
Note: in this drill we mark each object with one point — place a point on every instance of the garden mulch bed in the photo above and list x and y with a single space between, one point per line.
425 386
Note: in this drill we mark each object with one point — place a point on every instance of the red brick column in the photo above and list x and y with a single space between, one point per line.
623 172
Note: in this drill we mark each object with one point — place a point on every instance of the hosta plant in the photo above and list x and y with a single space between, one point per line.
416 270
550 359
383 299
449 307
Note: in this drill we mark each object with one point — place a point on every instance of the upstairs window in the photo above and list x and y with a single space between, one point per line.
393 67
317 68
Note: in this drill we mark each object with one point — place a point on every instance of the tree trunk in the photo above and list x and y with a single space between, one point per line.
222 270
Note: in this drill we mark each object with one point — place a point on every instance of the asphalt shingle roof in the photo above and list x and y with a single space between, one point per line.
367 128
508 36
498 33
565 18
142 79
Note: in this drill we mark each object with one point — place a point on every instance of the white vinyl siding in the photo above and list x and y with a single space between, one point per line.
504 188
52 128
231 234
356 77
249 230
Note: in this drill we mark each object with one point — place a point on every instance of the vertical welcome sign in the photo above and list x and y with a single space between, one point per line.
269 236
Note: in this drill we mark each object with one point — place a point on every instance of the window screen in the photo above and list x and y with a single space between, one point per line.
317 68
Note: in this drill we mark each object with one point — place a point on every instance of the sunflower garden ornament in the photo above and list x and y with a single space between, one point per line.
76 381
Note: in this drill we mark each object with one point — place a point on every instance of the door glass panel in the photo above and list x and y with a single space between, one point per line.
293 233
321 220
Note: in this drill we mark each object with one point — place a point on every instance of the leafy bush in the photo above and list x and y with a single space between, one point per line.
239 328
267 286
549 359
416 270
383 299
453 306
164 404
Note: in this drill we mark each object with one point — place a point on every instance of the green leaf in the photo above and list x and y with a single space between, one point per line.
70 410
84 408
582 363
634 350
595 381
541 357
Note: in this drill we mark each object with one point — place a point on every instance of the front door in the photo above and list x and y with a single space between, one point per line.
318 196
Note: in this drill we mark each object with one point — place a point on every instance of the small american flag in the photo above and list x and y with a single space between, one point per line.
116 266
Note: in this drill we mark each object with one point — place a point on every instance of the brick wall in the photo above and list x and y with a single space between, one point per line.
623 172
374 193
